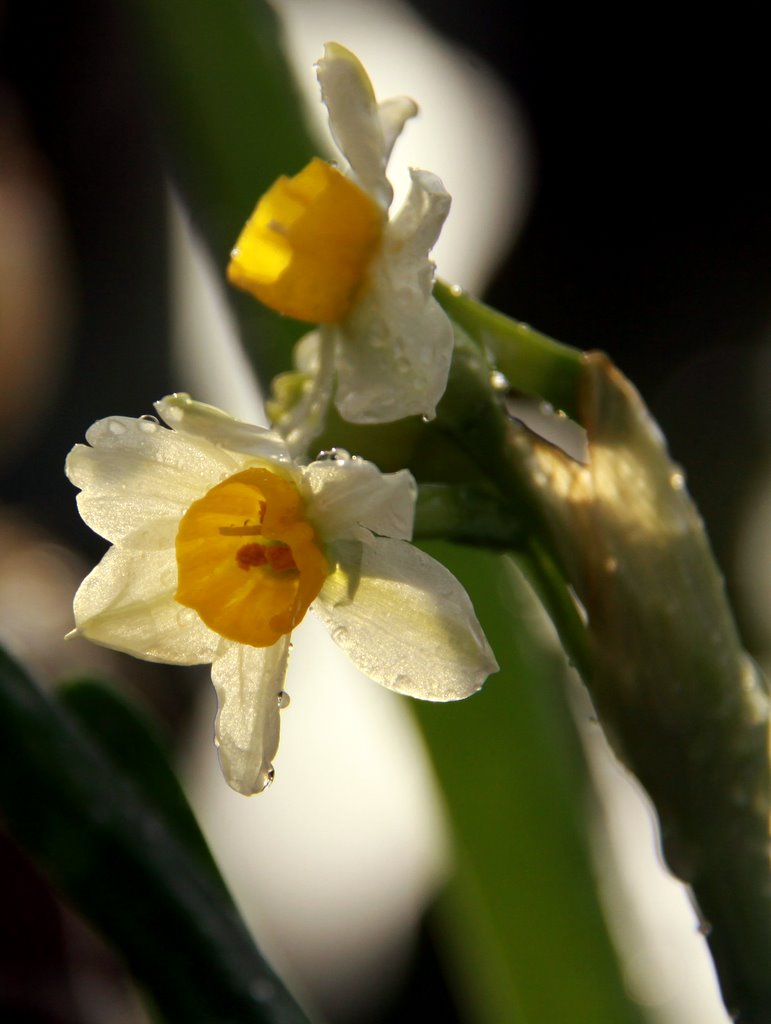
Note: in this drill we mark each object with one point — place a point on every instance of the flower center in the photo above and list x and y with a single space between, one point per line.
306 248
248 561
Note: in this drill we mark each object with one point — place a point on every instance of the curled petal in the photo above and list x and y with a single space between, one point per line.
127 603
415 229
351 494
248 681
198 420
394 114
405 621
354 119
395 347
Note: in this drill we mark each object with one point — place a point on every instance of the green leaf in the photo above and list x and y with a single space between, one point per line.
683 704
531 941
231 122
114 855
128 739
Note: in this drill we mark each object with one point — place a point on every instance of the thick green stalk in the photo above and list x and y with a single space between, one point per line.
680 700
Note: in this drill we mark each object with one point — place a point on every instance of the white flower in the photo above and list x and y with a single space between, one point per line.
220 544
320 247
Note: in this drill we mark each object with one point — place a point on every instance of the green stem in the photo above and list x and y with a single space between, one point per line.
531 362
465 515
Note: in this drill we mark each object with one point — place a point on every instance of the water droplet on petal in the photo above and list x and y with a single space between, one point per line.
116 427
339 633
282 699
148 424
677 481
334 455
268 778
499 381
401 682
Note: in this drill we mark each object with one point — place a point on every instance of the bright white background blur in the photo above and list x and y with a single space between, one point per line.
334 865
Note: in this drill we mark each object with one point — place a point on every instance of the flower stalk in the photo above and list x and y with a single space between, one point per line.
618 554
681 702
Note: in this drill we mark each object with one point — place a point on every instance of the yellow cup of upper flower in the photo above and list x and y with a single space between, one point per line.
305 250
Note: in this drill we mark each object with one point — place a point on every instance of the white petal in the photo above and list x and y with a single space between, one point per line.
413 232
199 420
127 603
139 478
248 681
394 114
395 347
125 494
405 621
346 495
354 119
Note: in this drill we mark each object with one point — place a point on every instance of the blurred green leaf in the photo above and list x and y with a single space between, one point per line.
231 122
128 739
532 944
90 827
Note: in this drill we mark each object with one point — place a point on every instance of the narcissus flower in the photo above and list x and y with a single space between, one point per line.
221 543
320 247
